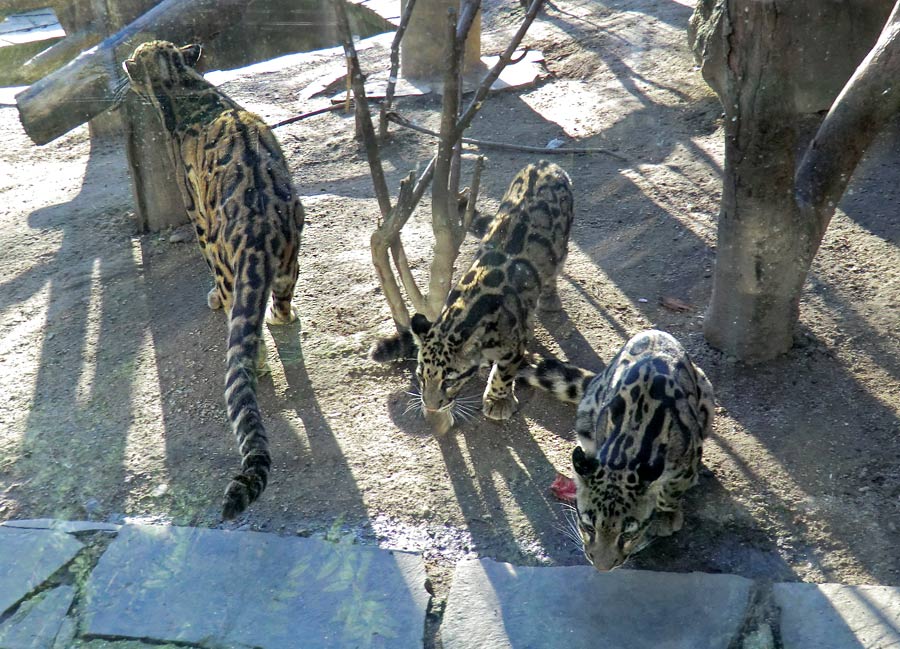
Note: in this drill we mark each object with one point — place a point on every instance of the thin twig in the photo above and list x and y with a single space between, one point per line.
312 113
485 87
398 119
363 117
473 194
395 67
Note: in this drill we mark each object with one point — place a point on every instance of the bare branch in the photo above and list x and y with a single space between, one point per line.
401 263
467 14
489 79
379 246
395 67
446 240
387 237
868 100
398 119
363 117
319 111
473 194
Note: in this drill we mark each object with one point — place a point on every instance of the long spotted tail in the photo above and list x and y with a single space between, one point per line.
564 381
400 346
244 340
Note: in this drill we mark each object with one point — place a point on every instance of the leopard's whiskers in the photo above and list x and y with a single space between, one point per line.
570 529
120 91
413 404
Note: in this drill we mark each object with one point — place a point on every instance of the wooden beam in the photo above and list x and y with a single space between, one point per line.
85 87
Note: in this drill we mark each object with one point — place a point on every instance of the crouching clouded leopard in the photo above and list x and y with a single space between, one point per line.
640 425
487 318
237 190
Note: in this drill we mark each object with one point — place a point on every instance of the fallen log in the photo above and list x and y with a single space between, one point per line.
57 55
86 86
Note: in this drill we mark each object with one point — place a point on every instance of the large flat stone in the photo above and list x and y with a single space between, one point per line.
501 606
245 589
832 616
28 557
59 525
37 622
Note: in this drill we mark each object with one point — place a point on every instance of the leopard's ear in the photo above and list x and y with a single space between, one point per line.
130 67
584 466
420 325
191 54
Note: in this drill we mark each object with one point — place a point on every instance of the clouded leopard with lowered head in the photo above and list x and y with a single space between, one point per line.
237 191
641 423
487 318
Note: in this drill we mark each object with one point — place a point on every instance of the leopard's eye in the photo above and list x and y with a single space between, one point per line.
630 529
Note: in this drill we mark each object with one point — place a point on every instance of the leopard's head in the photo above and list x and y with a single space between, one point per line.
615 509
444 366
159 66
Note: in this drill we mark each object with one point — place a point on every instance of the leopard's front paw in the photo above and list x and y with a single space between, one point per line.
213 301
500 409
667 523
550 302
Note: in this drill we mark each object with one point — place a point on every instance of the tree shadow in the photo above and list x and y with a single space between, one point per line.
74 441
487 461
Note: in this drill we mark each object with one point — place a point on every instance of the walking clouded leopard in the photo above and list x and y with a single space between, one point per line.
641 423
487 318
237 190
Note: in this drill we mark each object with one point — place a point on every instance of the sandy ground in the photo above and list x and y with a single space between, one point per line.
112 367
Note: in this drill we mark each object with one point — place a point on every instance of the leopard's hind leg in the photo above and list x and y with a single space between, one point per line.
549 297
282 311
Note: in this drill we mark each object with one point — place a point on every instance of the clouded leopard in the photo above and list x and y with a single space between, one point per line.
641 423
237 190
487 318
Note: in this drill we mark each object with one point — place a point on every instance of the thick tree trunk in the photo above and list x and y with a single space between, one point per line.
84 88
775 64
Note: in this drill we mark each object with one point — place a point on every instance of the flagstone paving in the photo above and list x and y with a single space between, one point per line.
140 586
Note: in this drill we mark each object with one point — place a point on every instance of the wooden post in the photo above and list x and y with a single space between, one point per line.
424 49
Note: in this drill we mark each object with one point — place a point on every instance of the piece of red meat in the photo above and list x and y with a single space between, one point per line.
563 488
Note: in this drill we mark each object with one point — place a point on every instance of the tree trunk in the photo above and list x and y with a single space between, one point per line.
775 65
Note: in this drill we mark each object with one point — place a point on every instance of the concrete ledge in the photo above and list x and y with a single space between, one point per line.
502 606
832 616
221 588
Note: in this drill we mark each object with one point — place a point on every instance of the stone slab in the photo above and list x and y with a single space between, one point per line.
833 616
247 589
28 557
502 606
37 622
61 525
30 26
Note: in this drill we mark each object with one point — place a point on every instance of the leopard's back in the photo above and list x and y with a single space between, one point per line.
487 318
237 191
534 219
640 426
